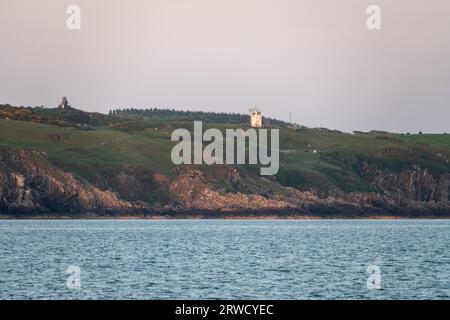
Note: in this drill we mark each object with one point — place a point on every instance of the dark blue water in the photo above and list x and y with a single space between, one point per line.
205 259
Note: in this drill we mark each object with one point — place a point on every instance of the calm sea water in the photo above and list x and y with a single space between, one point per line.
205 259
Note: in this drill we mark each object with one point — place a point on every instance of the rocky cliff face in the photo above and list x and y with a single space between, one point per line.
417 185
30 184
192 190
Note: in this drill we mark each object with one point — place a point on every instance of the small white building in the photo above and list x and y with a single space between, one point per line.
255 118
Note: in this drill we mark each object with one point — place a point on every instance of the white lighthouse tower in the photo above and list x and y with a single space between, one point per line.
255 117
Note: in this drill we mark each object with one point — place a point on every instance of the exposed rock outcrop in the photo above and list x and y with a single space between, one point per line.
31 185
191 190
416 185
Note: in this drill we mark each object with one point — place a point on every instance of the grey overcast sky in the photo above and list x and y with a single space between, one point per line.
314 58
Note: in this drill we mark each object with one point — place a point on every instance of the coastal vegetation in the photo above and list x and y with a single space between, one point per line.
128 152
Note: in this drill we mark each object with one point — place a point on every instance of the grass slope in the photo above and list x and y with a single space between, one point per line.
318 159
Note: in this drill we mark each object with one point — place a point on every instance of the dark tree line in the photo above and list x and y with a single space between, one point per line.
216 117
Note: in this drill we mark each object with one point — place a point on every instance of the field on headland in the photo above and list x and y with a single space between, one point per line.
76 162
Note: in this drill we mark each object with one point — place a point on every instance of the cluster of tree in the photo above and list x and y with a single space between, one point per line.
54 116
172 114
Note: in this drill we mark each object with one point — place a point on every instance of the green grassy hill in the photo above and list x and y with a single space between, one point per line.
323 161
309 158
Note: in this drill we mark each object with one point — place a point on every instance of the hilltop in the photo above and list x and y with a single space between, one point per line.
76 163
